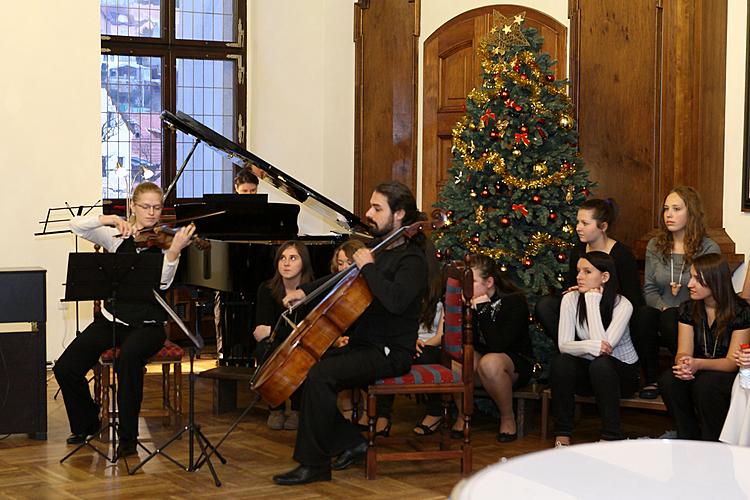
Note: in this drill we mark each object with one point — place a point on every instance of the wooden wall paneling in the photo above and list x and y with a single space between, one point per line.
616 88
452 69
386 34
649 87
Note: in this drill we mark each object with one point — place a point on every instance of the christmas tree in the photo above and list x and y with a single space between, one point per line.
517 176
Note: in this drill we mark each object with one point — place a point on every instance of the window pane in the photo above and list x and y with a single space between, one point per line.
131 17
212 20
206 91
130 122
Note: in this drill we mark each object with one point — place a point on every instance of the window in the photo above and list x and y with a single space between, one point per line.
181 55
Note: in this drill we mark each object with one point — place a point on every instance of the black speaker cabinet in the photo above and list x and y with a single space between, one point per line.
23 376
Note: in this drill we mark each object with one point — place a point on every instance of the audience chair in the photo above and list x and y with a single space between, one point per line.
458 349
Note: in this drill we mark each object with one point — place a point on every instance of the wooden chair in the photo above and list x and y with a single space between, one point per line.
458 347
170 359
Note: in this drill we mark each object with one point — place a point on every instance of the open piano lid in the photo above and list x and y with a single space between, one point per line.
336 215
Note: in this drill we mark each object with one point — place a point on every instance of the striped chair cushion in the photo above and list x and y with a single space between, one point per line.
170 352
452 326
424 374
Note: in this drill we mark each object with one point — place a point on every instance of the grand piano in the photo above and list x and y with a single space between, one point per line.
245 237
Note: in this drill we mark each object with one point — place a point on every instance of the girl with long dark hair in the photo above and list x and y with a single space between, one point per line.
596 354
712 325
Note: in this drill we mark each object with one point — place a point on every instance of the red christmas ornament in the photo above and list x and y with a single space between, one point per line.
527 262
449 213
504 221
541 121
524 129
517 107
549 78
553 216
504 93
585 191
475 238
524 76
561 257
494 135
517 68
485 193
536 199
439 255
448 252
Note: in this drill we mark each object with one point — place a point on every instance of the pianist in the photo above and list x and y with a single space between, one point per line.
246 182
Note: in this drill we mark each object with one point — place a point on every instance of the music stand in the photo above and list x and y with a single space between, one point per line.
112 277
193 429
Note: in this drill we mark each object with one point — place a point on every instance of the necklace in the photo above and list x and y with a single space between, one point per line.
676 285
705 344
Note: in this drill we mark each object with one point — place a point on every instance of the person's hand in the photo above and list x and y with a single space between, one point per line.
341 341
606 349
420 345
742 357
574 288
685 368
475 301
598 289
293 298
362 257
261 332
123 227
182 238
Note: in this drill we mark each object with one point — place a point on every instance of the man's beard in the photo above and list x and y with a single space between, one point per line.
377 232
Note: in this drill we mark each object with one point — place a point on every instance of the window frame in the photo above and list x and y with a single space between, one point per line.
169 48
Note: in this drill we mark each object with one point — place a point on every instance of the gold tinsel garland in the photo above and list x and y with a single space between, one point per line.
538 242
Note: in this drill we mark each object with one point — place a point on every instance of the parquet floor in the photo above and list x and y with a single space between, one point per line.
31 469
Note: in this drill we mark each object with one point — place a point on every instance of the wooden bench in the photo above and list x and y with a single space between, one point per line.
635 402
225 380
532 392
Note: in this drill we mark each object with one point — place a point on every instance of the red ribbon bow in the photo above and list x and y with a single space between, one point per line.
520 208
486 116
523 137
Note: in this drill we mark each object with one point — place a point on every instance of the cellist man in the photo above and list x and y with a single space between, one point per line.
382 344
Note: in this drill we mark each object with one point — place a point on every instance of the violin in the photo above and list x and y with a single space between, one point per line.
162 236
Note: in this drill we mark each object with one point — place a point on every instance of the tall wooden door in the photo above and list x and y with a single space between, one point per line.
385 137
452 69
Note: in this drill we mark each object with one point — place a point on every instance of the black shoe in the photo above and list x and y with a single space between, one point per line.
384 433
93 430
506 437
302 475
649 391
127 448
351 456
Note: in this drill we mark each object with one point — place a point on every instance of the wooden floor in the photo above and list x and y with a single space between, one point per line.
31 469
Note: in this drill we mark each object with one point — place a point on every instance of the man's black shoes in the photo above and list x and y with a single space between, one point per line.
127 448
302 475
348 457
93 430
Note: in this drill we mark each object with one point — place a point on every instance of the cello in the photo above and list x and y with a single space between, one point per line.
347 297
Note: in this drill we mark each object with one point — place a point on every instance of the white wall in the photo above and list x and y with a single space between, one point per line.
302 91
49 136
736 222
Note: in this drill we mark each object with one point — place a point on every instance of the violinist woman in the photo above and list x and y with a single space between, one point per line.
293 269
712 326
139 328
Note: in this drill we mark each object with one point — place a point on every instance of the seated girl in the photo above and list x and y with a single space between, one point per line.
596 353
502 346
711 327
293 268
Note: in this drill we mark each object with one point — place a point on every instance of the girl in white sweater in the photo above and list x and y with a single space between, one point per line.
596 353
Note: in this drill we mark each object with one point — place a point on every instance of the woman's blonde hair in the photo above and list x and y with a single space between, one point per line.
348 247
695 229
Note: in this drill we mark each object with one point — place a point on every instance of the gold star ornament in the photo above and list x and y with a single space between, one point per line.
508 30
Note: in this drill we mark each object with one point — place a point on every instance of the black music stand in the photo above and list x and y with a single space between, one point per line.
194 430
113 277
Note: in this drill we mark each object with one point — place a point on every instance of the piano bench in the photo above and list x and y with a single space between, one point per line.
225 380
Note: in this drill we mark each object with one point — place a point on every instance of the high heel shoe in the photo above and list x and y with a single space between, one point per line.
385 432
